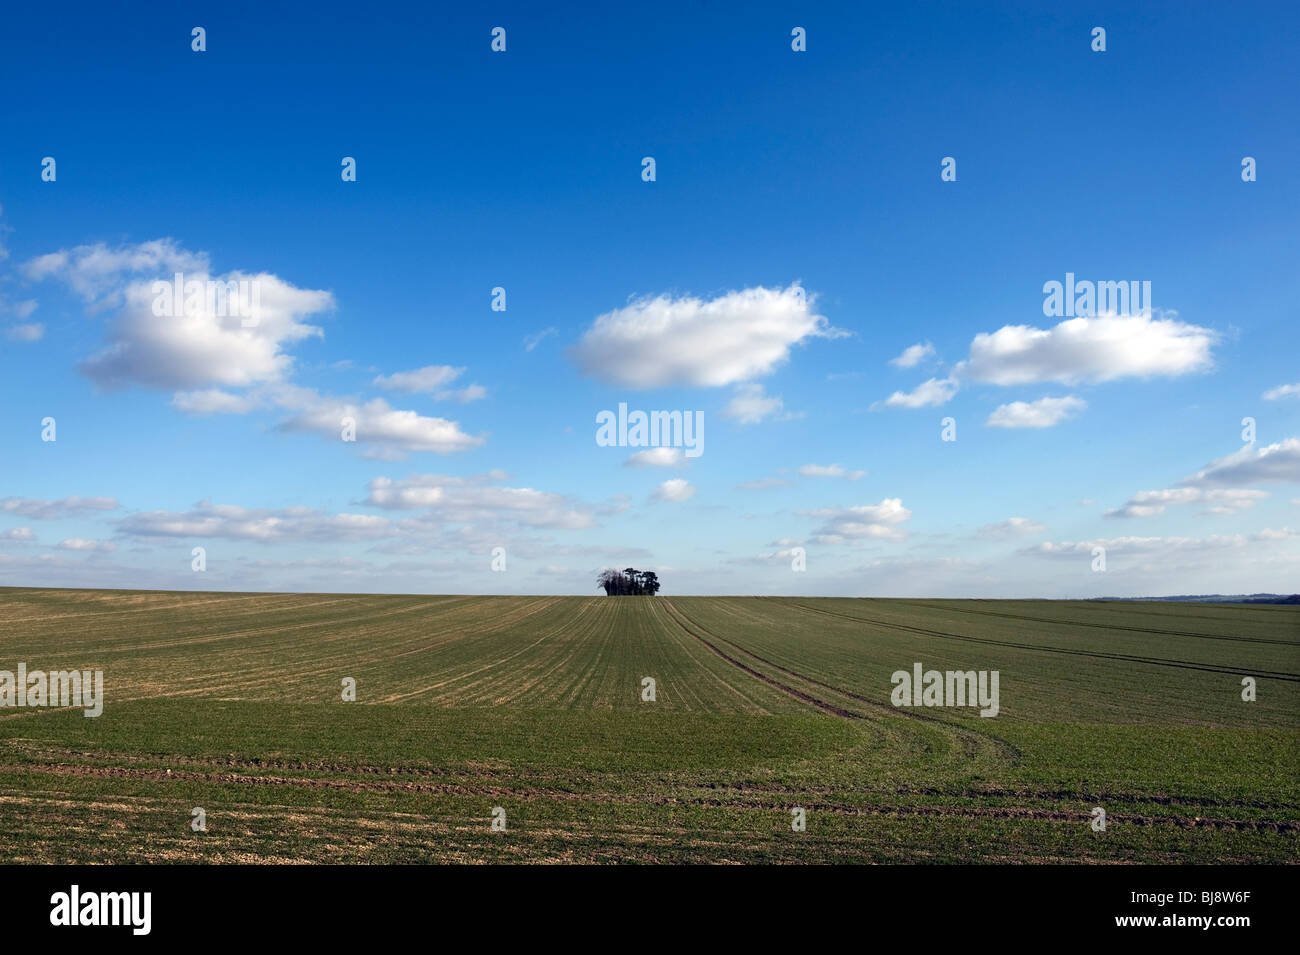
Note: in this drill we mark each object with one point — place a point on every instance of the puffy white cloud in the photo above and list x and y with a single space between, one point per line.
43 510
913 355
97 272
750 404
674 489
478 498
202 343
206 519
865 521
936 391
18 534
1283 391
1011 527
206 346
657 458
830 470
1274 463
1219 501
1043 413
424 380
654 342
207 349
1099 349
392 431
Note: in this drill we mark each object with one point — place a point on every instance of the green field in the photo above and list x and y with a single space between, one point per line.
232 703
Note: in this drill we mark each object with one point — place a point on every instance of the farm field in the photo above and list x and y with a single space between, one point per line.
232 703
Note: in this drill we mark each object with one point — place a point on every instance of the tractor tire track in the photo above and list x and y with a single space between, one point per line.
1006 750
1106 626
1125 657
800 695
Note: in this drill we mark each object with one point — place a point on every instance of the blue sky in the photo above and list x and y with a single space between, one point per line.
796 240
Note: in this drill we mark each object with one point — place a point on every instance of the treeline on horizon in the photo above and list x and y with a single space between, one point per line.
628 582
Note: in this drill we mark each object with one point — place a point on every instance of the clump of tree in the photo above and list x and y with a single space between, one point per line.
628 582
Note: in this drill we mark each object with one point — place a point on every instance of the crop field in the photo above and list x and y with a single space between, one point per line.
233 704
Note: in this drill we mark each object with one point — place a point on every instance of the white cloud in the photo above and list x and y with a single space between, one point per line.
657 458
203 354
478 498
1165 547
1098 349
536 338
750 405
210 520
1278 462
865 521
830 470
462 396
1043 413
194 350
783 555
913 355
18 534
43 510
1283 391
392 431
31 332
424 380
655 342
98 273
81 543
387 433
208 344
674 489
1011 527
1219 501
936 391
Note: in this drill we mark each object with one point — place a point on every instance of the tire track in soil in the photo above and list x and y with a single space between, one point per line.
1125 657
1105 626
686 648
974 741
683 623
